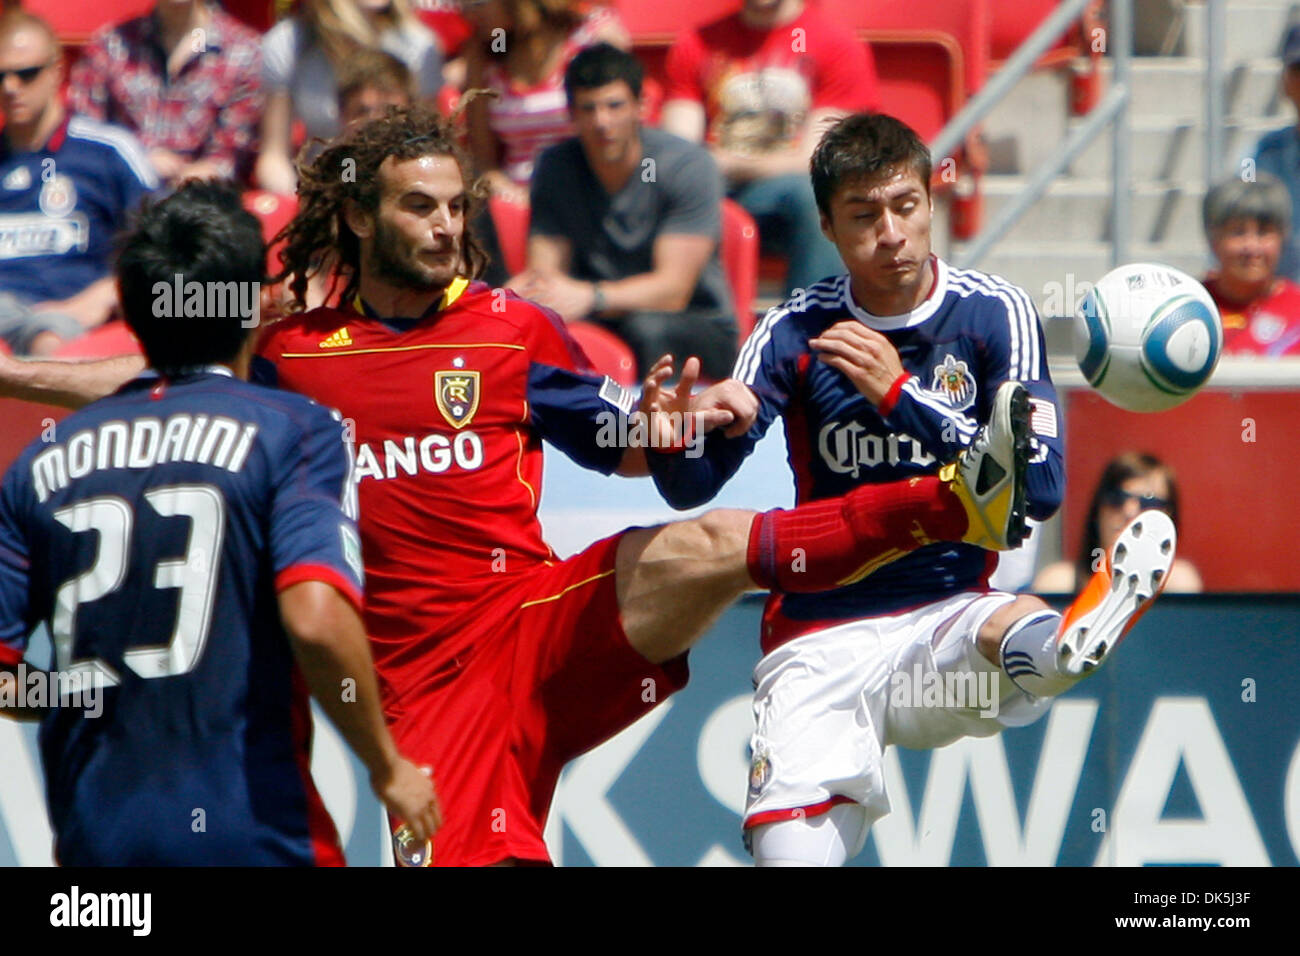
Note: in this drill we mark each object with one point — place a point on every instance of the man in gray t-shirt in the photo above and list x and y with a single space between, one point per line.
626 225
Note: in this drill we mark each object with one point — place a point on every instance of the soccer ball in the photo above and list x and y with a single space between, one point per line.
1147 337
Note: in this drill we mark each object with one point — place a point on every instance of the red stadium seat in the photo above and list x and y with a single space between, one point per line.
75 22
258 14
274 210
740 262
445 20
511 221
1011 22
111 338
654 26
609 354
659 23
930 57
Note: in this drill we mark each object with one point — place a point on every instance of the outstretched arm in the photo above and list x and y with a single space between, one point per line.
67 384
677 421
329 643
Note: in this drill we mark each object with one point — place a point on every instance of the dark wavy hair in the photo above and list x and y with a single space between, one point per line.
865 146
202 234
1129 464
349 170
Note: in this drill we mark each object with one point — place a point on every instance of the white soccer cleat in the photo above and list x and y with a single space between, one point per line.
1111 603
989 476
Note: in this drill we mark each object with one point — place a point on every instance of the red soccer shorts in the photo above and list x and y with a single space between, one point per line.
550 676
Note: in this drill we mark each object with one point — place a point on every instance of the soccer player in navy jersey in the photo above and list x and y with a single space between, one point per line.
881 374
189 543
498 661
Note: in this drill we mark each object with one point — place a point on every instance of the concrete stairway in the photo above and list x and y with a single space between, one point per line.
1063 239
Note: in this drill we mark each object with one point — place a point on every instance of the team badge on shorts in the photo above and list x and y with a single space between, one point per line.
457 394
58 196
760 772
954 383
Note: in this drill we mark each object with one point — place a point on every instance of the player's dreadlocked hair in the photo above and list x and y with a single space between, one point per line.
349 169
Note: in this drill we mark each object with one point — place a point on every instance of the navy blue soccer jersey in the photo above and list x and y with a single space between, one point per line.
61 206
971 334
152 537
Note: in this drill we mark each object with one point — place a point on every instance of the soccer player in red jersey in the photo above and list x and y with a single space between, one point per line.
497 661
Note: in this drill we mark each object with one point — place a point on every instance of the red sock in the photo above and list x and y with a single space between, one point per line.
827 544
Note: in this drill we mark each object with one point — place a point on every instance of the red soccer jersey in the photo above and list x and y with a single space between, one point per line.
448 415
759 86
1268 326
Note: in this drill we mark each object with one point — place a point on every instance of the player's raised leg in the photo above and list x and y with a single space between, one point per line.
673 581
1046 653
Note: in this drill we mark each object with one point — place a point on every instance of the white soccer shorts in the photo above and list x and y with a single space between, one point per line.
828 703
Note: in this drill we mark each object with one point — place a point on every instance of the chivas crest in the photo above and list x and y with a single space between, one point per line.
457 394
954 383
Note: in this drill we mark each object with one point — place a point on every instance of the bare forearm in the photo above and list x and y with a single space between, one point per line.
340 673
647 292
67 384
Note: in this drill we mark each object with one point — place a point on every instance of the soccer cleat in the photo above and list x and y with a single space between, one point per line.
1112 601
989 476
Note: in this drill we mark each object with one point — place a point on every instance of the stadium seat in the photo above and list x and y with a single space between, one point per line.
654 26
443 18
511 221
740 263
930 57
111 338
608 353
273 210
76 22
1012 21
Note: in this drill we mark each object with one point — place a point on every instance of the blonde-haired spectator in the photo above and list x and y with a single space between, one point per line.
520 50
303 57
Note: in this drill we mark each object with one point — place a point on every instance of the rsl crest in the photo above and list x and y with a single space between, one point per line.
457 394
954 383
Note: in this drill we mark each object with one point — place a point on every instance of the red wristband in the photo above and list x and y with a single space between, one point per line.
891 397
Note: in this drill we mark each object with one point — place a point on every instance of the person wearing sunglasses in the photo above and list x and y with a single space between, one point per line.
1131 482
67 185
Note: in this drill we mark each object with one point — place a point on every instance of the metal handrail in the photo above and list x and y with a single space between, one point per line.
1000 84
1113 109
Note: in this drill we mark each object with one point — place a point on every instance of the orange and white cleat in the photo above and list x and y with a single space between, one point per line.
1112 601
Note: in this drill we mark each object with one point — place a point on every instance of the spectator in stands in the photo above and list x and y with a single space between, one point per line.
760 86
67 185
370 83
1246 225
520 50
186 79
1131 483
303 56
626 224
1278 152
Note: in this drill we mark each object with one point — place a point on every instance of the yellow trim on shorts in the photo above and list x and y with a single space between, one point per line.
556 597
